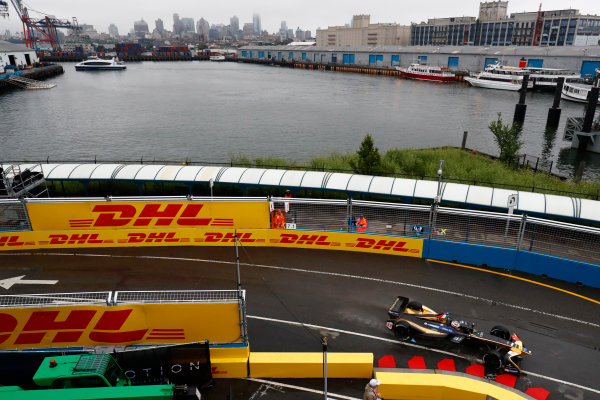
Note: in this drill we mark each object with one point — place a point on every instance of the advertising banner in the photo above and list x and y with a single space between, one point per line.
147 215
396 245
68 326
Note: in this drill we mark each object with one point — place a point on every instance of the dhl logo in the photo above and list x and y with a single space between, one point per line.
69 330
128 215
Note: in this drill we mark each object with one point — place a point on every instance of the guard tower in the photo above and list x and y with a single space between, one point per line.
19 182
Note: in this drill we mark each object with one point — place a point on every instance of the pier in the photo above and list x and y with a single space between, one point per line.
37 73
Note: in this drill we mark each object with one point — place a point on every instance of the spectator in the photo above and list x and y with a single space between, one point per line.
371 392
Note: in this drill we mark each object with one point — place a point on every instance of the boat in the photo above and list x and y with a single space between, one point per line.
218 57
98 64
541 78
428 73
576 92
579 92
491 80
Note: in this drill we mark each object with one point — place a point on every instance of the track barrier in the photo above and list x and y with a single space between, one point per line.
401 384
310 365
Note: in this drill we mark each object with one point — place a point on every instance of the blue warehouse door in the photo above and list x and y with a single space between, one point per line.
395 60
348 58
279 55
489 61
452 62
535 63
588 67
372 59
422 60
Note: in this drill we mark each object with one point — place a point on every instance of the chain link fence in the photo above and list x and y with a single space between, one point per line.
178 296
13 216
55 299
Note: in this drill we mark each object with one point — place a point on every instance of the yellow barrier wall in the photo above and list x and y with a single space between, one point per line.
65 326
229 362
147 214
432 385
212 237
310 365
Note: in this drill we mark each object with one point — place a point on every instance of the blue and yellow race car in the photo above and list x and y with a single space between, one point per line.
500 350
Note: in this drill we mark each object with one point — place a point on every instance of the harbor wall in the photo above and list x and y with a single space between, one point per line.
37 73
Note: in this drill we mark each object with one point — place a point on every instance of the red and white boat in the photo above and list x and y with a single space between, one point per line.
428 73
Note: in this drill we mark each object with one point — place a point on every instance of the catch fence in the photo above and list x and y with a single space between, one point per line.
518 232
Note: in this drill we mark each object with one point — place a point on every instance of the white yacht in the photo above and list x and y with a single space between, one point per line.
541 78
491 80
98 64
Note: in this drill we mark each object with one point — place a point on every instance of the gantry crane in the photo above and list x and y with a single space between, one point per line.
3 9
39 30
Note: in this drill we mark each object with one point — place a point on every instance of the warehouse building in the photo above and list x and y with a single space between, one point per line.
583 59
16 56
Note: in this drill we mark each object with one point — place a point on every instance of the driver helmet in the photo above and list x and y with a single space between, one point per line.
455 324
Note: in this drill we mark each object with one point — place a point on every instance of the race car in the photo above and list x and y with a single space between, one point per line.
501 350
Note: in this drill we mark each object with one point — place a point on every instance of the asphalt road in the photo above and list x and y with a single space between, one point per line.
296 296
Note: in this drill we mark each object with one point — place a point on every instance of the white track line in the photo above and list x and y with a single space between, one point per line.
411 345
330 395
464 295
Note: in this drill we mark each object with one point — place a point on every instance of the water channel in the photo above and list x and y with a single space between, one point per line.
206 111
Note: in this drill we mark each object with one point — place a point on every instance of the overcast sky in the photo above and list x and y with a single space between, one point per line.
307 14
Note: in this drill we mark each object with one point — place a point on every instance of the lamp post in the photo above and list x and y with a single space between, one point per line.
324 344
436 200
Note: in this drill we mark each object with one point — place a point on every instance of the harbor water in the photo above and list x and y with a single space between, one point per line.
206 111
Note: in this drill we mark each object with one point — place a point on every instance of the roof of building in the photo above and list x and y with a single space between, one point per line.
6 47
413 189
552 51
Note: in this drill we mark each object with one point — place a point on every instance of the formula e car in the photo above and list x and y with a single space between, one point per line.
501 350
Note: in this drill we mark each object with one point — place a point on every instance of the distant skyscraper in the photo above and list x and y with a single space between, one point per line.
299 34
256 24
203 29
160 27
234 22
113 31
283 26
176 24
187 25
140 28
307 35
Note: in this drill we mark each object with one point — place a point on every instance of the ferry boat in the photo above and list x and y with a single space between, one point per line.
428 73
541 78
218 57
490 80
98 64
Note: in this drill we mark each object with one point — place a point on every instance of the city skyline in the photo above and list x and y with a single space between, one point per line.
331 13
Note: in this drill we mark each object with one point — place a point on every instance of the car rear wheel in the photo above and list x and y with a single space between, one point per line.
501 332
493 360
402 331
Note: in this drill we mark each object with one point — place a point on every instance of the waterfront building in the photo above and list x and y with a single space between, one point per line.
363 33
113 31
17 55
493 27
583 60
140 28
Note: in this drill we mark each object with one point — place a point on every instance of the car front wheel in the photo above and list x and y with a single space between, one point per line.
402 331
493 360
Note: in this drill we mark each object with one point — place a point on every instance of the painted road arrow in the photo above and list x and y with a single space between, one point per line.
8 283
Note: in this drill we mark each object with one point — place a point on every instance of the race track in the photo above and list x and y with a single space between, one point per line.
295 296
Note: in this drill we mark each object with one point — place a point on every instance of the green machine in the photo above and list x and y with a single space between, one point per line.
92 377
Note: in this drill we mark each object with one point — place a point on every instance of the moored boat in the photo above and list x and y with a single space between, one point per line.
491 80
218 57
541 78
576 92
428 73
98 64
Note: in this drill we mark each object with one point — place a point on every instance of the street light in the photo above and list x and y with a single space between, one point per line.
324 344
436 200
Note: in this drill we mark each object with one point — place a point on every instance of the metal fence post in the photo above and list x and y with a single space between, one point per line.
521 235
349 215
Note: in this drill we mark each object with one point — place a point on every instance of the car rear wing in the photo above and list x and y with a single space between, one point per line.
398 307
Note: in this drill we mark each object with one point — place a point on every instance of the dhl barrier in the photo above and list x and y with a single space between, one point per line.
442 385
310 365
154 321
410 247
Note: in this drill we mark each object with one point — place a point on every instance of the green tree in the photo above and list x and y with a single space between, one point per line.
369 159
507 139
